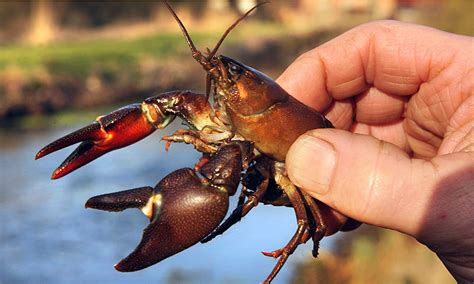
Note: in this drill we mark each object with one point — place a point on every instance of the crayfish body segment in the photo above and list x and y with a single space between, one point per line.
244 137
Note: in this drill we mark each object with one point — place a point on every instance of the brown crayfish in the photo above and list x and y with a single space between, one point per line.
244 137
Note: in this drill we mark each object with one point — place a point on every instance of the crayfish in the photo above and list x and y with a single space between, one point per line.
244 130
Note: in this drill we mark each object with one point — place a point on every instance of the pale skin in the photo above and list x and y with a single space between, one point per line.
402 157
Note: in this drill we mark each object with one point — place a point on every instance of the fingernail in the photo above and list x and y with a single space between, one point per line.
310 164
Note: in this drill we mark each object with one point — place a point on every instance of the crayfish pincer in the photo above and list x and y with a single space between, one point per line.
244 130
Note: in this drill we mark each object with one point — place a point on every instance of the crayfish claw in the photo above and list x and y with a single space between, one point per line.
84 153
115 130
182 210
89 132
147 253
235 217
119 201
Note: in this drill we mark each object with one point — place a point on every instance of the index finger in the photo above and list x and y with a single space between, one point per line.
391 56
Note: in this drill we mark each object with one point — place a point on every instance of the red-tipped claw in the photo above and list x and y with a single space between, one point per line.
118 129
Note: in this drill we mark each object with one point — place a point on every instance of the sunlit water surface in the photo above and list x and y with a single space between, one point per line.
48 237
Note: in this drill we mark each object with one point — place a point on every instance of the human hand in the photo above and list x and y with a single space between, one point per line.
410 86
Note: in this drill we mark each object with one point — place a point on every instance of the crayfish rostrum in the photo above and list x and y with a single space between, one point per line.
244 130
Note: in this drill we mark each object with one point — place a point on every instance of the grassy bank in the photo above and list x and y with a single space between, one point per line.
47 79
42 80
78 58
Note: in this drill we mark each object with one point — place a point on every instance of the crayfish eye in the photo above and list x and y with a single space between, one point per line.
235 70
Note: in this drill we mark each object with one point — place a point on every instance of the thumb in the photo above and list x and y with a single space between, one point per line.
368 179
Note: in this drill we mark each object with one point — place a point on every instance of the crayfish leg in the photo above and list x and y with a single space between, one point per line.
319 226
301 234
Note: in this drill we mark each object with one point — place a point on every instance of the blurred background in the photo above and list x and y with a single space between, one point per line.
63 63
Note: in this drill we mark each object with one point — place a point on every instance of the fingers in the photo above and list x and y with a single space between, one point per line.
393 133
375 107
341 114
372 107
305 79
393 57
369 180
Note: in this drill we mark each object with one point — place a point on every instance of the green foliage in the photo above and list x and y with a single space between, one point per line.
77 59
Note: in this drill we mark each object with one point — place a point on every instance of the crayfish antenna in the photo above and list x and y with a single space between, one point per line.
183 28
205 60
229 29
197 55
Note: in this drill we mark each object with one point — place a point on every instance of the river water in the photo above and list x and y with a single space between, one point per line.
48 237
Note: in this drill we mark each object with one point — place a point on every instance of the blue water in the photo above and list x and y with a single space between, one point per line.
47 236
